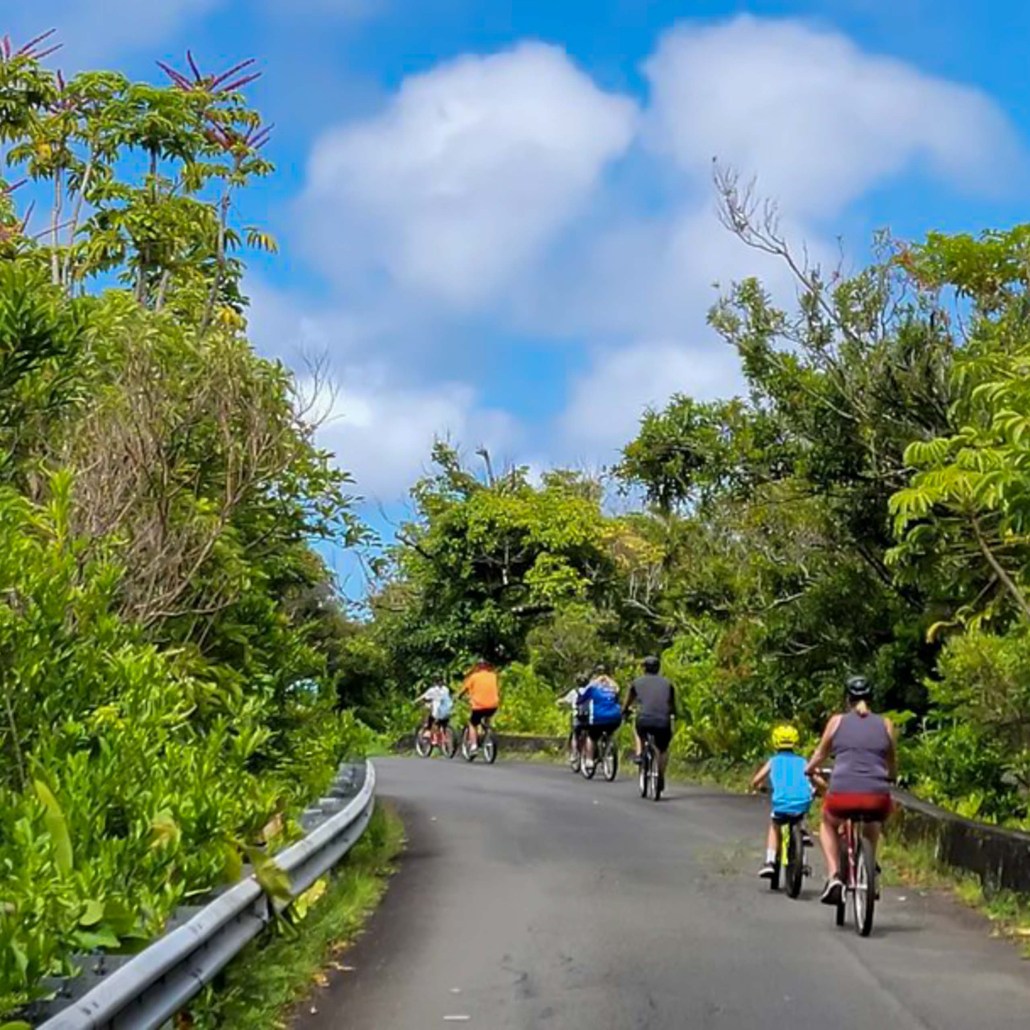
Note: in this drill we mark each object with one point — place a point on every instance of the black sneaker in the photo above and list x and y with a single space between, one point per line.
833 892
768 871
638 760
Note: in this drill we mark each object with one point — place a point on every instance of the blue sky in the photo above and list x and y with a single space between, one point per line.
496 219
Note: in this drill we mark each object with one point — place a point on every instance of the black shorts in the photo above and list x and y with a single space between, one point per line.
605 727
661 731
479 714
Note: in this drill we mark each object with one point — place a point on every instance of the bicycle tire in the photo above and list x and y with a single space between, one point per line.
575 759
654 772
864 895
644 775
490 747
795 870
423 744
610 764
466 750
450 738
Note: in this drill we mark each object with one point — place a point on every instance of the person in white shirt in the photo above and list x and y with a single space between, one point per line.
439 703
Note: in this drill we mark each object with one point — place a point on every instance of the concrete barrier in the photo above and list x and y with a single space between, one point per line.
1000 858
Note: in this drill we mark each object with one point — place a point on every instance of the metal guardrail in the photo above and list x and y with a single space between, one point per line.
157 983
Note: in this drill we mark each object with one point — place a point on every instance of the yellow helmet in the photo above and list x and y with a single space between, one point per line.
785 738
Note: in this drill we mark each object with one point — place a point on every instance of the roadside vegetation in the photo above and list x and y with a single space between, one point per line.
168 634
284 967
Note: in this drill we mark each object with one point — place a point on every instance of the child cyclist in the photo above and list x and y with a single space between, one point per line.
790 788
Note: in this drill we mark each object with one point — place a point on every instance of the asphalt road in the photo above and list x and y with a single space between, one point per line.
530 898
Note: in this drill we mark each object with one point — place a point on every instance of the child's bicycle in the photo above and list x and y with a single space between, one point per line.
790 859
441 736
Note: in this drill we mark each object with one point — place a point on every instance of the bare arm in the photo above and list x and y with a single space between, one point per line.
822 752
892 751
631 696
761 776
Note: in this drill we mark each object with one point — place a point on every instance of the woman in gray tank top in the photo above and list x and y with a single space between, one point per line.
864 750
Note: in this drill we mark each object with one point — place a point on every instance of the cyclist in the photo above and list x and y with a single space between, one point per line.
599 703
864 747
481 687
571 701
657 701
439 706
791 791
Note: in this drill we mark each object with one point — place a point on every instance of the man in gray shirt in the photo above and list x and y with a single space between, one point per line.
655 699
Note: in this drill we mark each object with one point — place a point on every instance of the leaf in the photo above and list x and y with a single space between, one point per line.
21 960
92 913
57 827
17 1024
91 940
164 830
274 880
232 869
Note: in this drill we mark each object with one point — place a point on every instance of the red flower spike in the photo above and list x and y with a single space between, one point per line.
234 70
209 83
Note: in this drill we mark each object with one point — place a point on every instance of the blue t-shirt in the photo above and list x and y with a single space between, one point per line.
791 790
600 703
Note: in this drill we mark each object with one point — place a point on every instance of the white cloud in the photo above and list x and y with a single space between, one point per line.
476 203
818 120
606 403
469 174
382 432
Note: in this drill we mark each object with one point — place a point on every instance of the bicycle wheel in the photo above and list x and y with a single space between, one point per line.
654 773
574 756
466 744
610 757
450 742
795 867
589 766
865 888
645 772
423 743
778 863
489 746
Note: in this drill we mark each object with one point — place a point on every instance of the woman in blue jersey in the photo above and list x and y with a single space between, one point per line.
599 705
790 788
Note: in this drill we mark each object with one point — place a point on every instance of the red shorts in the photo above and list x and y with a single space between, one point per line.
871 806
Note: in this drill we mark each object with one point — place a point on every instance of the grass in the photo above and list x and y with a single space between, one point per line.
279 969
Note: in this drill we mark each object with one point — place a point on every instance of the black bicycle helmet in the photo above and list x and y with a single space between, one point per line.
858 688
651 664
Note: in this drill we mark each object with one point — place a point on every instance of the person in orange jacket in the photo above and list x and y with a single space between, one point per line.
481 686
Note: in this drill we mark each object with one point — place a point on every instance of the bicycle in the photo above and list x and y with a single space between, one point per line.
790 859
859 873
574 747
650 777
606 755
441 736
487 743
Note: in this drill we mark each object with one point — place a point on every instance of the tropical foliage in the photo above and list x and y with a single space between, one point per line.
170 640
